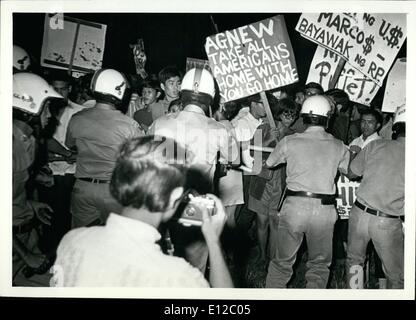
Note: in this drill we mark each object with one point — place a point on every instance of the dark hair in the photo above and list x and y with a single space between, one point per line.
314 85
147 170
59 75
169 72
340 97
375 113
287 105
152 84
176 102
231 110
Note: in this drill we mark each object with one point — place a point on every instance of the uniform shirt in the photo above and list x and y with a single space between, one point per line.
159 108
23 157
202 136
312 158
381 164
98 134
123 253
63 167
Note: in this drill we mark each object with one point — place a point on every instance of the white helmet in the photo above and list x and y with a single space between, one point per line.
199 81
30 92
316 106
400 114
21 59
109 83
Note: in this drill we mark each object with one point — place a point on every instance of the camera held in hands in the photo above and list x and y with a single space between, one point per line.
192 214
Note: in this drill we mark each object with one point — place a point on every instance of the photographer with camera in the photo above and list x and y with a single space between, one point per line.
149 182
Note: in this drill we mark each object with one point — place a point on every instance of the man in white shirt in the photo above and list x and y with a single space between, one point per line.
149 182
371 121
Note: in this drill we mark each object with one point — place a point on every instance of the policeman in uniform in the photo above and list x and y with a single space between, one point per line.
378 212
30 94
206 139
313 159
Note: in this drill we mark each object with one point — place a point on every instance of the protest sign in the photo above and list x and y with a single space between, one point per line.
395 94
139 58
74 45
197 63
346 196
369 42
251 59
360 88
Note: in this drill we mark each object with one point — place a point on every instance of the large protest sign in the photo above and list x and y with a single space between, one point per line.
395 94
346 196
73 44
251 59
197 63
360 88
369 42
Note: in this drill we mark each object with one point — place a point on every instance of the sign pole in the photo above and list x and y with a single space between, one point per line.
268 111
337 73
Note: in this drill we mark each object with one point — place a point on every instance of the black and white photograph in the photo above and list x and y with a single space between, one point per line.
216 150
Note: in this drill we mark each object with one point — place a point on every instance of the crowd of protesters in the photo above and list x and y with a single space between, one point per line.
103 172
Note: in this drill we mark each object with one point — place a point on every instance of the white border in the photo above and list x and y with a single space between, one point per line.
252 6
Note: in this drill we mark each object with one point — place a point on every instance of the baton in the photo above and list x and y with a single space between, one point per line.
262 149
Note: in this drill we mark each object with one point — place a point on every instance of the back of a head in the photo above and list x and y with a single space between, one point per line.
147 170
313 88
340 97
316 110
198 88
109 86
30 93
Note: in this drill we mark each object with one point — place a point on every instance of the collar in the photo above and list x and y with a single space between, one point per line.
193 108
315 129
135 229
370 137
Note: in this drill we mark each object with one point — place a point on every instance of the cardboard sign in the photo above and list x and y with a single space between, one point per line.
74 44
360 88
369 42
252 58
346 196
395 94
197 63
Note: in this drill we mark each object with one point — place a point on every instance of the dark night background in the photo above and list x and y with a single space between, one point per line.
169 38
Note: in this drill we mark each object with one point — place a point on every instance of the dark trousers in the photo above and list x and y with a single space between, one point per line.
58 197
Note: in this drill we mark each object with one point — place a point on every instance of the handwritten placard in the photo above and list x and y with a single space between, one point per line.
359 87
251 59
369 42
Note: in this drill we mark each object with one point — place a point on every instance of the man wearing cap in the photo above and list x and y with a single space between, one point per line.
313 159
378 212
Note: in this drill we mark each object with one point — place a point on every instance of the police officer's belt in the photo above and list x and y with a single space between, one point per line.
376 212
93 180
326 199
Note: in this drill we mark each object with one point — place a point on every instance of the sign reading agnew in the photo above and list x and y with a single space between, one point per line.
251 59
